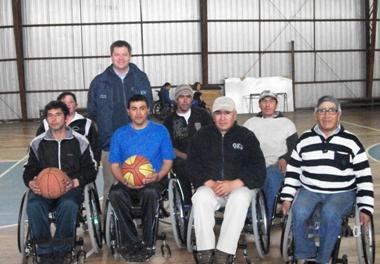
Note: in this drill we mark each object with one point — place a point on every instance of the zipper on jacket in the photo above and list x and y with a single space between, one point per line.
59 154
222 172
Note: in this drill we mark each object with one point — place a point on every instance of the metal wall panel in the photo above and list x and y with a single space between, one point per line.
233 36
222 66
302 73
10 107
342 65
8 80
376 67
171 38
307 94
233 9
153 10
278 64
50 11
52 41
37 101
98 39
376 88
174 69
278 35
110 10
53 75
340 35
290 9
7 44
6 17
339 9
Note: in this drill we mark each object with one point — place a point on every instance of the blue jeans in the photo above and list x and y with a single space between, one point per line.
272 185
334 208
66 211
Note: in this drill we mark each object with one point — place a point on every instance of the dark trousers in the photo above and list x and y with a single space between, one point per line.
123 199
180 170
66 211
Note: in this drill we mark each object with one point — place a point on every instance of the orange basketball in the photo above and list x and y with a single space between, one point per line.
51 182
135 169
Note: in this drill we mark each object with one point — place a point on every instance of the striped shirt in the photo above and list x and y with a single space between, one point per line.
330 165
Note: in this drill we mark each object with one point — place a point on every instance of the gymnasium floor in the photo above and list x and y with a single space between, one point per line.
15 137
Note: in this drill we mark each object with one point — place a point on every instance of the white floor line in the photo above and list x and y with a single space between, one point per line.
370 128
13 166
357 125
7 226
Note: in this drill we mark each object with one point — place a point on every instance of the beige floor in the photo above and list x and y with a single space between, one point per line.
365 123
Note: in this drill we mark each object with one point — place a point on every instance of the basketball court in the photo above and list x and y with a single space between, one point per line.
15 137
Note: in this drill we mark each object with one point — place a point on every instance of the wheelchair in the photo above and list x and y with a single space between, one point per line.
159 110
89 217
256 223
112 230
364 236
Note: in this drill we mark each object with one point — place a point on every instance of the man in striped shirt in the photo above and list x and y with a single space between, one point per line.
329 167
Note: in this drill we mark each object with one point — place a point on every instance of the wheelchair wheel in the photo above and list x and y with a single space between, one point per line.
23 229
111 230
93 216
365 240
260 224
157 110
287 243
177 213
190 237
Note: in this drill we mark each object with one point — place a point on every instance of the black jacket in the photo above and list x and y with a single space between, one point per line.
83 126
236 155
71 154
181 132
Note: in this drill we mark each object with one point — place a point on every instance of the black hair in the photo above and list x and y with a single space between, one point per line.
56 105
137 98
195 86
166 84
121 43
64 94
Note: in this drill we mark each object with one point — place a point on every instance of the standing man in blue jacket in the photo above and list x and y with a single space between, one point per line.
108 97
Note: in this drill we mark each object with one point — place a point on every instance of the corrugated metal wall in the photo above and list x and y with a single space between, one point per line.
66 43
10 102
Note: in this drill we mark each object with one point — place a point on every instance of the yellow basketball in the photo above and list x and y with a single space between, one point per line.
135 169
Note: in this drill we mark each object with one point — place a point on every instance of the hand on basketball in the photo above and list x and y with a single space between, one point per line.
34 186
153 177
69 184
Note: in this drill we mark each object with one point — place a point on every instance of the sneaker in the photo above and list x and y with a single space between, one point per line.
204 256
221 257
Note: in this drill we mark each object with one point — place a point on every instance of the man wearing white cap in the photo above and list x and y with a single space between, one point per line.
225 163
277 136
182 125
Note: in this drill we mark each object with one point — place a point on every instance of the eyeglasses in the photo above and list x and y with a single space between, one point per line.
331 111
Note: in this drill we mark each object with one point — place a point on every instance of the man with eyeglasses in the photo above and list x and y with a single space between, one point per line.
225 163
328 167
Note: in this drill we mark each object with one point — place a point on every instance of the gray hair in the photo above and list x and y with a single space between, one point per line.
328 98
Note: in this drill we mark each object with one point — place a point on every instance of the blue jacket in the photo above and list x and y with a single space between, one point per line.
108 97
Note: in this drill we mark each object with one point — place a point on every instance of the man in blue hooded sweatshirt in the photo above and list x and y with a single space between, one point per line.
108 96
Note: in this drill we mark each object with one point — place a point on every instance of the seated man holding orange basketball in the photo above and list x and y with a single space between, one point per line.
224 162
150 140
59 147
